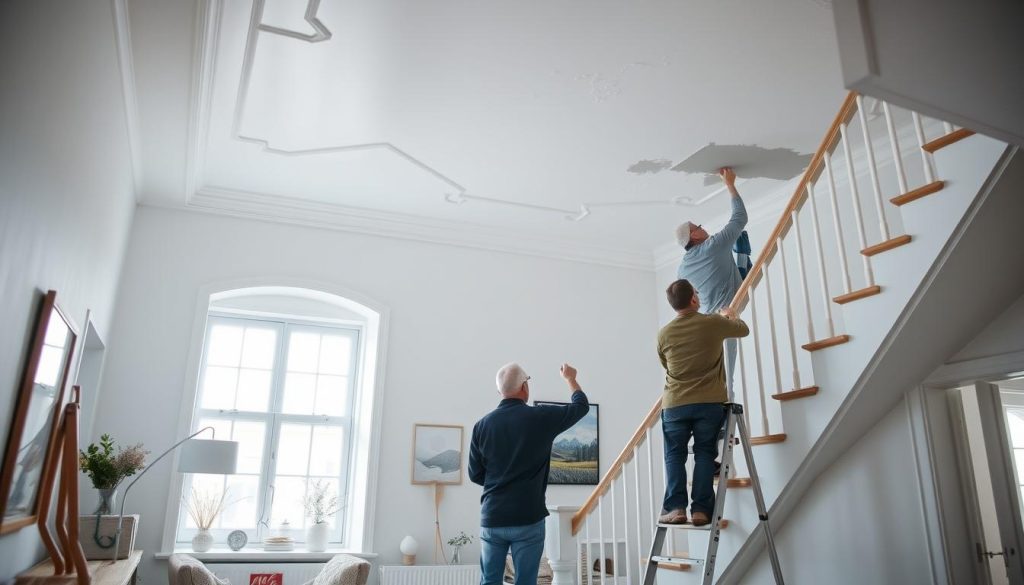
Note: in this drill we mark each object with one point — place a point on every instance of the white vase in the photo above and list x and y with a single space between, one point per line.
316 537
202 541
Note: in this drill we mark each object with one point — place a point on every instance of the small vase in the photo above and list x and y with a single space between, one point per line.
108 500
316 537
457 555
202 541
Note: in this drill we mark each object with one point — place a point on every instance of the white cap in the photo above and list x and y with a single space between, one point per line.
510 378
683 233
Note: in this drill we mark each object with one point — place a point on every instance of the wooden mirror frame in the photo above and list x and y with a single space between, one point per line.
46 310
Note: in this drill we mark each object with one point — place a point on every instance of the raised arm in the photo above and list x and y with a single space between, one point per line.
728 234
580 406
732 325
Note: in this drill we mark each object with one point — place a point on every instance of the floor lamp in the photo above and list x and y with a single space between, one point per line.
197 456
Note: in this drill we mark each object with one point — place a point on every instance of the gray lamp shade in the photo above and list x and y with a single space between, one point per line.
208 456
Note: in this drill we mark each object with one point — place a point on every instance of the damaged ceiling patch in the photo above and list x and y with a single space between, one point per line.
647 167
750 161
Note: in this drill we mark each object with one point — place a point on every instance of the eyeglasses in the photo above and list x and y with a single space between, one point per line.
696 227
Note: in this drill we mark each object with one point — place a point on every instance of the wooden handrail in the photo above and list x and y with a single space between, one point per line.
846 112
616 467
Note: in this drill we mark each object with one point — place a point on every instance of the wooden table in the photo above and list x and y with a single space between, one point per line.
122 572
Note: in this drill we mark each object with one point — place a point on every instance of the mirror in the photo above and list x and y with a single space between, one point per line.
36 415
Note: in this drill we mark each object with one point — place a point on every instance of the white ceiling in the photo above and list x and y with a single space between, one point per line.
481 123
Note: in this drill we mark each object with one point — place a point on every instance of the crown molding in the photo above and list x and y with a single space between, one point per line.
274 208
126 67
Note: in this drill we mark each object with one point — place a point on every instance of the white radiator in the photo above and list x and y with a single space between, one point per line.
293 573
430 575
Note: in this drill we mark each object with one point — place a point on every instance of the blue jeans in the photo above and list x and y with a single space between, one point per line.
527 544
702 422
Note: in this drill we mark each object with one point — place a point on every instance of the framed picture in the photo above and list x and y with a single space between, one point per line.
437 454
575 454
40 400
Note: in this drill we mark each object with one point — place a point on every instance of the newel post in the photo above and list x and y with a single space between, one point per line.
560 545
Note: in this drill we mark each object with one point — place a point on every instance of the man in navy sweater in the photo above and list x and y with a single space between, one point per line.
509 455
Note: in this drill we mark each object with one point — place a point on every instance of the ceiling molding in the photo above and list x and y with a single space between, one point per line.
126 67
393 225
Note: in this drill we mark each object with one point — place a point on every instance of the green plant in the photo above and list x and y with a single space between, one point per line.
460 540
320 502
107 469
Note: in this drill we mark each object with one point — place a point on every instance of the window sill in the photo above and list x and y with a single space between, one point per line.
254 554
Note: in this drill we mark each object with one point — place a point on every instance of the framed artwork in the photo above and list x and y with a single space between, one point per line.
40 400
575 454
437 454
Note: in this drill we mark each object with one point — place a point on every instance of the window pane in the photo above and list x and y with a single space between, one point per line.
288 492
221 428
219 388
1018 455
240 510
225 345
253 390
250 436
259 347
331 395
1015 424
299 393
325 454
303 352
335 354
293 450
203 486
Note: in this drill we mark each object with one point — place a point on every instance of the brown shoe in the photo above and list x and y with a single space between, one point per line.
701 519
673 517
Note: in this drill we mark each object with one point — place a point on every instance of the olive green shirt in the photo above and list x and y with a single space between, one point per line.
690 348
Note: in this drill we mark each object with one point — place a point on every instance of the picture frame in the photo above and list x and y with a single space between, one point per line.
576 452
40 401
437 454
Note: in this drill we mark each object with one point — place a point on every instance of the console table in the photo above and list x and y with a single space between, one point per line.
122 572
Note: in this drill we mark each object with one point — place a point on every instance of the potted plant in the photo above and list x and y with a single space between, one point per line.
204 507
321 504
107 470
457 542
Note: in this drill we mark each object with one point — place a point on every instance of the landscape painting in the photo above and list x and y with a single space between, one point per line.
437 454
575 453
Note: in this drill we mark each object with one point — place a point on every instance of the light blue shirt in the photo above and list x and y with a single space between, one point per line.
710 266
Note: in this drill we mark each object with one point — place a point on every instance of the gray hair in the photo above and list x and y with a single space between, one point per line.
510 379
683 233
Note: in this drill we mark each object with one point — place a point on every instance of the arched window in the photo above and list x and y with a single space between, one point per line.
289 373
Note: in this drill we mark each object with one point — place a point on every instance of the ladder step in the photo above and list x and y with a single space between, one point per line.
858 294
735 482
676 559
933 187
671 566
943 141
688 526
767 439
827 342
886 245
794 394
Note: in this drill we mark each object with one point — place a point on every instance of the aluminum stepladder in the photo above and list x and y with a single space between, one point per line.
733 421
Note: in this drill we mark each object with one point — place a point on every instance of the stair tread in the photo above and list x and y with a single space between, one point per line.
767 439
915 194
827 342
947 139
856 295
887 245
795 394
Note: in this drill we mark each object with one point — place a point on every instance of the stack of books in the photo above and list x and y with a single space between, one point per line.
278 543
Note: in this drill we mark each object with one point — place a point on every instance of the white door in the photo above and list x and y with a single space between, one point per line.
1005 489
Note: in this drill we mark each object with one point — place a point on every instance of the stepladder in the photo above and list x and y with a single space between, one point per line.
734 424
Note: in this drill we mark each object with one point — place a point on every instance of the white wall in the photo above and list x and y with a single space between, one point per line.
1002 336
456 315
66 200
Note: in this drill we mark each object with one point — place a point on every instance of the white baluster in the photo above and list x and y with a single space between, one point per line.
600 533
650 480
873 171
615 533
858 216
926 159
590 548
897 156
840 241
794 217
821 262
625 517
639 510
757 361
789 313
771 328
580 544
743 380
947 127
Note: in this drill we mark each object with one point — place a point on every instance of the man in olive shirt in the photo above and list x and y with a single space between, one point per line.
690 348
